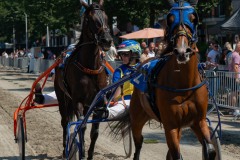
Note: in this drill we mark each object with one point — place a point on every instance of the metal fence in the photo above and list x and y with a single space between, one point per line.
32 65
36 65
224 88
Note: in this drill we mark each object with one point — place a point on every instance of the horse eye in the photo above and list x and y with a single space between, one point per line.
170 20
191 18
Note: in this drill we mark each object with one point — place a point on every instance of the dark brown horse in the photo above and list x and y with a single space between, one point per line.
84 73
180 97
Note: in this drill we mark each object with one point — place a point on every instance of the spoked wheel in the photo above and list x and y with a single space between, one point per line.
216 143
73 150
127 140
21 138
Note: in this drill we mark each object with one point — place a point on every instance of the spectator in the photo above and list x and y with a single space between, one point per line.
111 55
210 47
29 54
161 47
20 53
11 55
229 51
151 52
222 59
144 55
143 45
235 78
40 55
213 57
15 54
236 40
50 55
4 54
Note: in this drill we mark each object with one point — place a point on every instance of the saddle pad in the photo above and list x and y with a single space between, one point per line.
140 82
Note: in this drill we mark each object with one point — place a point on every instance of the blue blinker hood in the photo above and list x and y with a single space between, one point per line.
181 16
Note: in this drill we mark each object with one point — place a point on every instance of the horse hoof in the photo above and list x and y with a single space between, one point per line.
211 152
64 158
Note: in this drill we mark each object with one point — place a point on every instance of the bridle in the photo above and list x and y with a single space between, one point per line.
96 34
183 21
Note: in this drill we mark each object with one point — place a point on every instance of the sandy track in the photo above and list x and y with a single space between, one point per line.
45 132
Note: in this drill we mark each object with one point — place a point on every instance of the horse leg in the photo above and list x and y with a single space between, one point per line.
138 119
204 137
94 134
64 123
80 116
66 117
173 137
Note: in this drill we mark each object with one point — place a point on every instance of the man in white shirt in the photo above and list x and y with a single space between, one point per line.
111 54
151 52
213 56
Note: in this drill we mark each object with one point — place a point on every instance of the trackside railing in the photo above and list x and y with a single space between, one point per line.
225 89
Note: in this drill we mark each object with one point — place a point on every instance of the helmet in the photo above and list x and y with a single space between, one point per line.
130 45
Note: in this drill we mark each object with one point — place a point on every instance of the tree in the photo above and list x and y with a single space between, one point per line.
64 15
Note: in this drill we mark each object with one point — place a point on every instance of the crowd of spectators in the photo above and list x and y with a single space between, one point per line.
228 56
27 53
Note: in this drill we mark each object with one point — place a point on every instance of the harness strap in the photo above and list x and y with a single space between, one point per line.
179 90
152 79
86 70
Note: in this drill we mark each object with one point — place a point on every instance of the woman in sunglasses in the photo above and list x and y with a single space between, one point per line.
129 51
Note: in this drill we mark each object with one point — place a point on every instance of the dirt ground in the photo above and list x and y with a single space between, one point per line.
44 132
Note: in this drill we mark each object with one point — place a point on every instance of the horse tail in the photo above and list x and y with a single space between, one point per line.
120 128
69 108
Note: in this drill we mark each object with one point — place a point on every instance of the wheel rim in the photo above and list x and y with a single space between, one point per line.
21 139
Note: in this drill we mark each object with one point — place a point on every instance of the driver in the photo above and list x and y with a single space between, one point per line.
129 51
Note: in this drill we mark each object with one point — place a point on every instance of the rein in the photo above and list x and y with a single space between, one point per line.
180 90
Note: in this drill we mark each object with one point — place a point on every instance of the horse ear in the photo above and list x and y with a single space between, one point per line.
101 2
193 2
171 2
84 3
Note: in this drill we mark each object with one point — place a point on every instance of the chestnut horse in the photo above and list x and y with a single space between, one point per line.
83 76
178 95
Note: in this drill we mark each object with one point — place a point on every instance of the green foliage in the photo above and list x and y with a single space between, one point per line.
61 14
64 15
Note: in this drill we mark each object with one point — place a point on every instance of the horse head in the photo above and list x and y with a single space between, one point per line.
182 24
95 25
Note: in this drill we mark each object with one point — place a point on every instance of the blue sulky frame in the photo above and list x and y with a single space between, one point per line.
82 123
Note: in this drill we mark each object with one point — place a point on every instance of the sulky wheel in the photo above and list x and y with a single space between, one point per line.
216 144
127 140
21 138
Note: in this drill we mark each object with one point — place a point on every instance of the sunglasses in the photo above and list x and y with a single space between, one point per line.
125 54
216 46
